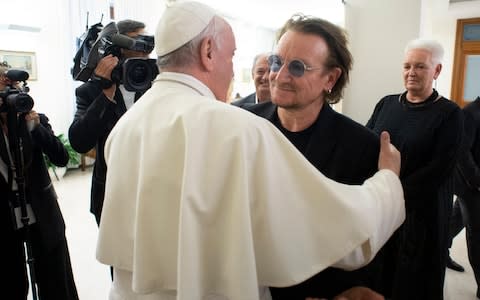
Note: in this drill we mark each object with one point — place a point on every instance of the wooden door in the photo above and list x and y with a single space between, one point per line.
466 65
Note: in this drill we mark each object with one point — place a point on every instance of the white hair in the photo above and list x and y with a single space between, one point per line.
432 46
257 57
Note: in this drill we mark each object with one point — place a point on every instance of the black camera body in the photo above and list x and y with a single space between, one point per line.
137 74
16 97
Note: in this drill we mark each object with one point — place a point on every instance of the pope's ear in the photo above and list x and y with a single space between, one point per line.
206 53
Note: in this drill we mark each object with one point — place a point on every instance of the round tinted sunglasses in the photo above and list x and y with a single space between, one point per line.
295 67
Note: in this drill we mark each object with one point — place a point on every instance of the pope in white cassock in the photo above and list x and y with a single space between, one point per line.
205 200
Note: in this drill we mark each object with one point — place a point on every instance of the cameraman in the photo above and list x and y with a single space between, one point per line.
98 109
46 235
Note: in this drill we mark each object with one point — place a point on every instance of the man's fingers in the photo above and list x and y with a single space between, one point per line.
385 138
389 157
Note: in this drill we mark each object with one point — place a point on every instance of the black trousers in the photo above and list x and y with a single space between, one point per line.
466 213
53 270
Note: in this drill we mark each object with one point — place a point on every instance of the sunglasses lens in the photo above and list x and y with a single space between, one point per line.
275 63
296 68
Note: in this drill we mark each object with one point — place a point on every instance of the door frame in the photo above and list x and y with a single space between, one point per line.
462 49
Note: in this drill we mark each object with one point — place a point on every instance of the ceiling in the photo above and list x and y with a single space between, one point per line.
273 13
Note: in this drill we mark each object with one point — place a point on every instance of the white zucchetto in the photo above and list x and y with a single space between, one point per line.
179 24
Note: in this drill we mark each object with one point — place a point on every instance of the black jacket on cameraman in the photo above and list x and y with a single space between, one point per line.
52 260
93 121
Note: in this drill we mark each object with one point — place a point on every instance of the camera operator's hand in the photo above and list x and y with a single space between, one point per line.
105 66
32 119
104 70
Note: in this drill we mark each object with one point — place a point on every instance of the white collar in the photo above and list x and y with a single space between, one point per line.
187 80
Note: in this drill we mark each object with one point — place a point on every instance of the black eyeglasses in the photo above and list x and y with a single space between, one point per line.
296 67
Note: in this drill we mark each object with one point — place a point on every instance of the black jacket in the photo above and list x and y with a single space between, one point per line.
46 236
428 136
344 151
50 226
467 169
340 148
95 118
246 101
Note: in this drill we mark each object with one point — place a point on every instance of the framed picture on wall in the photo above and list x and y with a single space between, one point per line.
21 61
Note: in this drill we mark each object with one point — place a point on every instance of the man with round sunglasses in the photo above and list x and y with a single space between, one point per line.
308 72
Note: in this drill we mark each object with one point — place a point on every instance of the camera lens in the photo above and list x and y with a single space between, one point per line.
138 73
21 102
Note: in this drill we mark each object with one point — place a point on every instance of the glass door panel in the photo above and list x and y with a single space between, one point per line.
472 78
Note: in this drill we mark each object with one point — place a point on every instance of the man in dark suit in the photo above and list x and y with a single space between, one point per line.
30 134
99 107
260 73
308 72
466 209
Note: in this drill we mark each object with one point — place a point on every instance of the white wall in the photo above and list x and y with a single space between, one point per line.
148 12
53 45
250 39
442 23
378 31
437 25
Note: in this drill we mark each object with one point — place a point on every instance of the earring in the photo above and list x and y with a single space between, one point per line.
329 91
435 85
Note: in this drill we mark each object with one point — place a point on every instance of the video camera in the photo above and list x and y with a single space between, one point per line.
136 73
15 96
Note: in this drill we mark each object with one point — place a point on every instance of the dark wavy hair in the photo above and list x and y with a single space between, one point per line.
127 26
336 40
